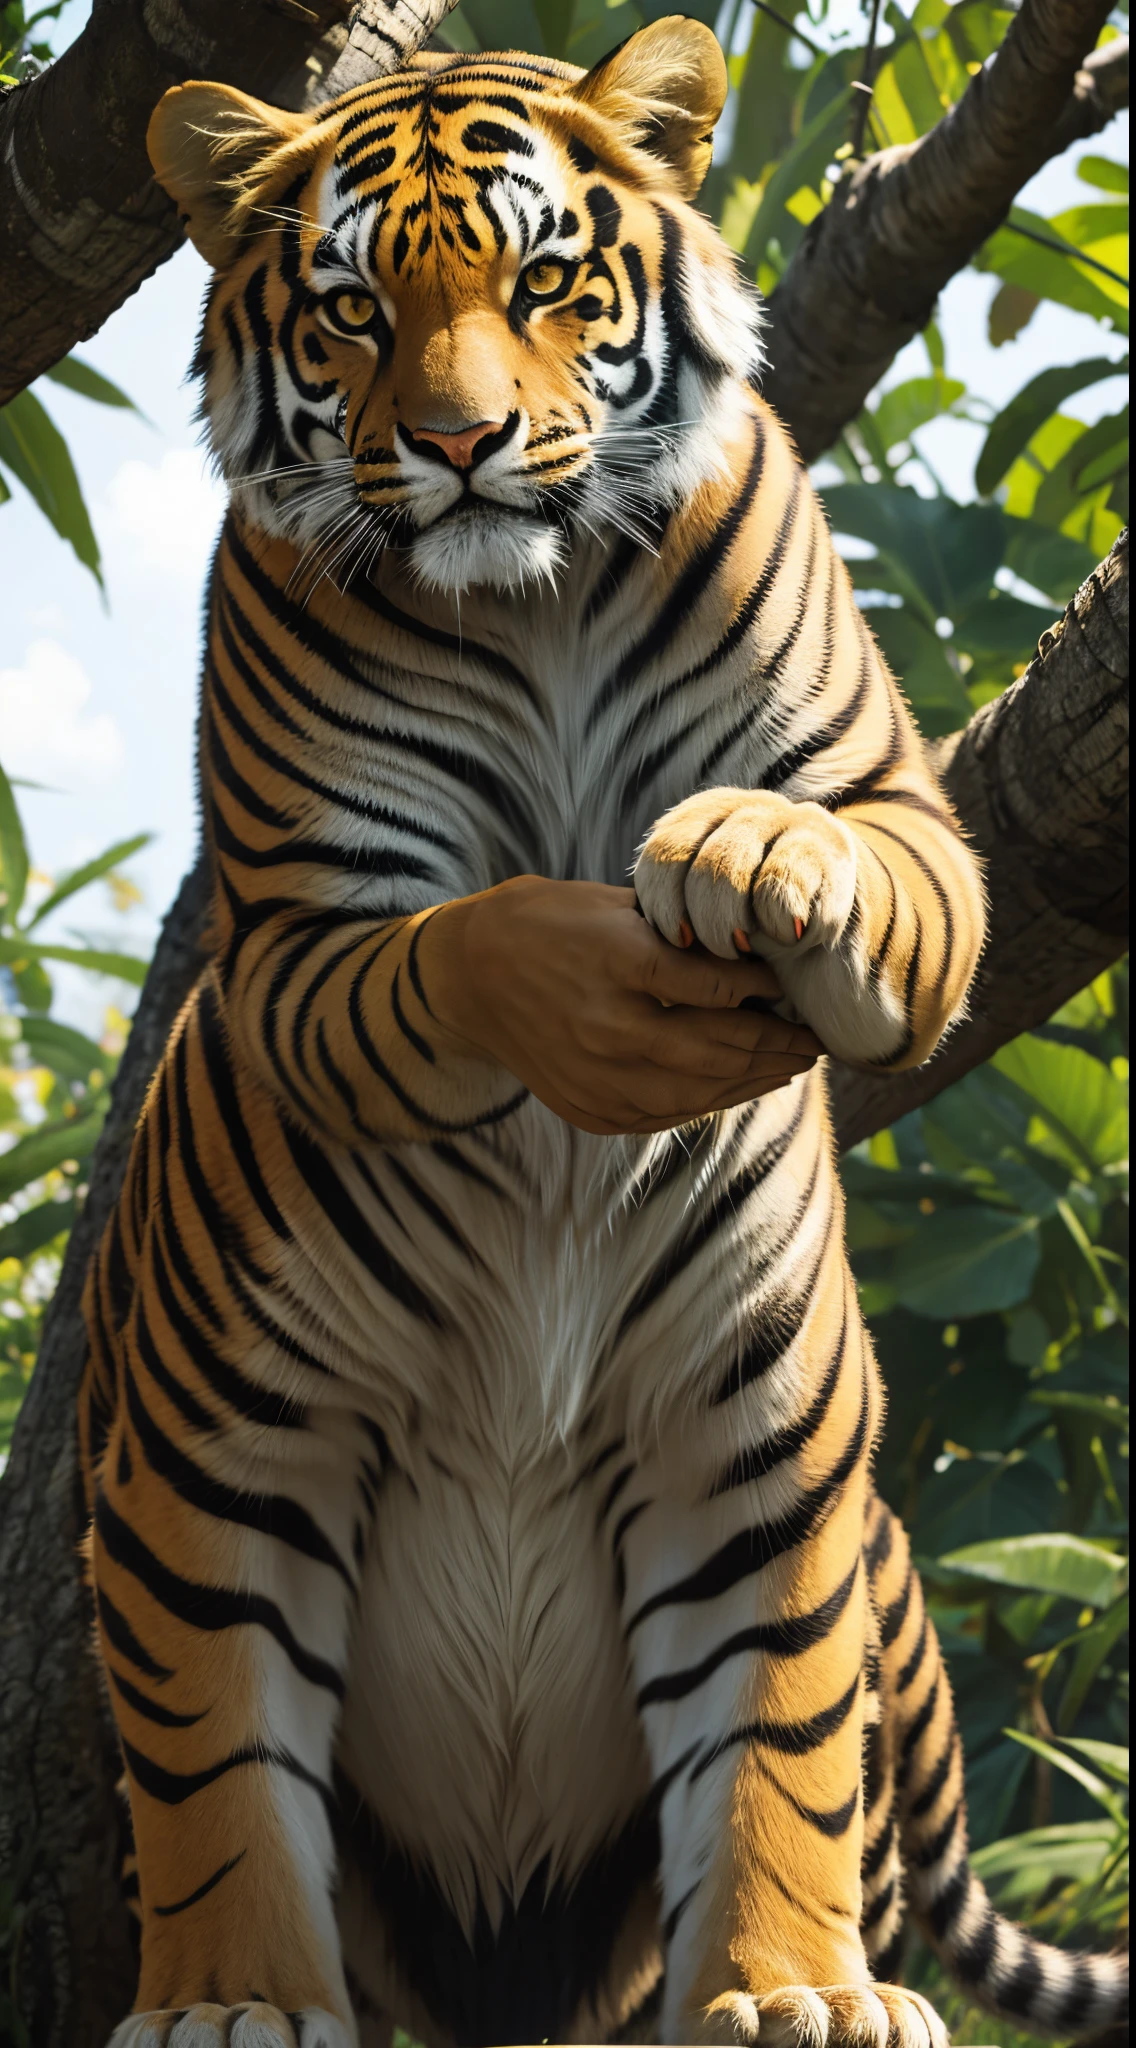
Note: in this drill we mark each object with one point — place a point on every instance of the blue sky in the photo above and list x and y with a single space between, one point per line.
98 702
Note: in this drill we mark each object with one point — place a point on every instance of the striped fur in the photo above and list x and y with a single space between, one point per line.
483 1538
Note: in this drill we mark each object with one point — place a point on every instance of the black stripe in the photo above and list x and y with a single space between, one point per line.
202 1892
788 1638
209 1608
151 1709
122 1638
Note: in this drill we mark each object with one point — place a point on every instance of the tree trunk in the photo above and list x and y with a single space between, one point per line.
1036 777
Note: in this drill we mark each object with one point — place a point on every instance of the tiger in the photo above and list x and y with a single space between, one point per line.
505 1639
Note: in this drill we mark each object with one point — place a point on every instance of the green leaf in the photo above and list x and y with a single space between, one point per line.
33 448
1103 173
1011 309
804 164
41 1151
76 375
1019 421
124 966
36 1227
1057 1563
69 885
967 1262
1088 1780
1108 1757
1050 561
1050 272
13 853
1112 1414
948 553
67 1052
33 986
1001 625
935 690
1081 1100
1091 1647
909 406
1021 1867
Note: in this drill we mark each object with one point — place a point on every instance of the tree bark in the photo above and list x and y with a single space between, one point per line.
82 222
865 279
1040 781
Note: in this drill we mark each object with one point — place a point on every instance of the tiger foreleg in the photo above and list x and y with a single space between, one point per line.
224 1648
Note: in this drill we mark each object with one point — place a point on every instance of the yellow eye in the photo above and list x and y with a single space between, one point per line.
350 312
543 280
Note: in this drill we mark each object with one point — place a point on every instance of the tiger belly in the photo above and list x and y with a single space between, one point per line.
493 1771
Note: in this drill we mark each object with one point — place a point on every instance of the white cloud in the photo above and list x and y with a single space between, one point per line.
167 513
44 721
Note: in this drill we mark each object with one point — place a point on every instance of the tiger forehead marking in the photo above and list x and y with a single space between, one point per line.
469 314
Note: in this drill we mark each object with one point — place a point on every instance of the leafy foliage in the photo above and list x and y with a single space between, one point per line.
54 1089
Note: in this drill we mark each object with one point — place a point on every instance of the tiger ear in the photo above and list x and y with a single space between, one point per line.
204 143
664 88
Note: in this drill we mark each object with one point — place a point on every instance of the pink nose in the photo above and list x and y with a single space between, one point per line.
458 448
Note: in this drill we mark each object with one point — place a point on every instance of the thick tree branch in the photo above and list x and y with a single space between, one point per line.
81 220
865 278
1040 781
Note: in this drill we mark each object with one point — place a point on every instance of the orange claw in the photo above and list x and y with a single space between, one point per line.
741 941
798 927
685 934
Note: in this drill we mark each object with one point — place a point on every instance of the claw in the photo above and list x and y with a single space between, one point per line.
685 934
741 941
798 926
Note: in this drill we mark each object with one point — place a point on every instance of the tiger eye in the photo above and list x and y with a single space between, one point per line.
543 279
352 312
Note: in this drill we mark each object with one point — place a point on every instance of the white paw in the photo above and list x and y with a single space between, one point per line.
231 2026
836 2016
745 870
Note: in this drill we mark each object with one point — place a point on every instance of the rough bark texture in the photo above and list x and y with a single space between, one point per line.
866 276
81 220
1040 781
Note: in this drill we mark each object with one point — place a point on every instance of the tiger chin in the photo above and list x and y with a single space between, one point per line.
505 1640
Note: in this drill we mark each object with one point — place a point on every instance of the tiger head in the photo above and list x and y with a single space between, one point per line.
466 310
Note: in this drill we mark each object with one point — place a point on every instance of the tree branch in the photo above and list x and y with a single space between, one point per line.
1040 781
865 278
82 221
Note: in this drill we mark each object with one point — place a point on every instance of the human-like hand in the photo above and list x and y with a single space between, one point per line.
566 985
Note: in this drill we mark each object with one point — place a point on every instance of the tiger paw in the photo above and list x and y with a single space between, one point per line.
838 2016
231 2026
746 870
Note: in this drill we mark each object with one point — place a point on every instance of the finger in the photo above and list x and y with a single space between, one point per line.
748 1029
696 978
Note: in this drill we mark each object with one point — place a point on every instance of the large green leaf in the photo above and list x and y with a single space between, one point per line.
948 551
33 448
1090 1649
1108 1757
13 853
1103 173
1021 259
966 1262
76 375
124 966
91 871
31 1157
1001 625
1081 1100
804 164
1055 1563
1019 421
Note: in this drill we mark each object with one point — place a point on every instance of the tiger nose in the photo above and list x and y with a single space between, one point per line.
458 448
